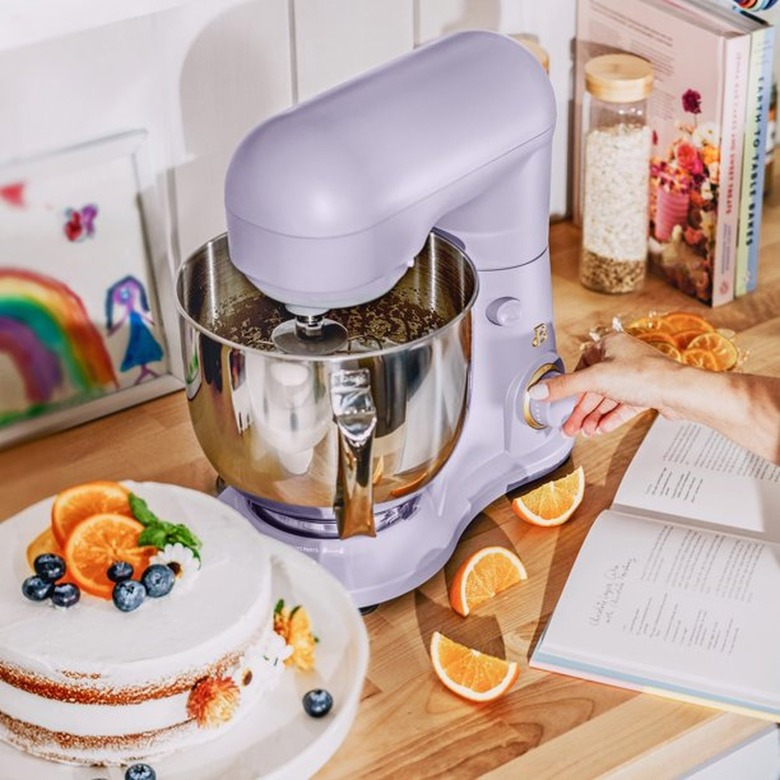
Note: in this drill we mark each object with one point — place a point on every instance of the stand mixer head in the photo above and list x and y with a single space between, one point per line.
425 181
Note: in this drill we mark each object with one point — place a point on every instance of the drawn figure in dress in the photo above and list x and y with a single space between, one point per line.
128 296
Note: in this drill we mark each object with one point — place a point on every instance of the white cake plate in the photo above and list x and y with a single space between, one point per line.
276 739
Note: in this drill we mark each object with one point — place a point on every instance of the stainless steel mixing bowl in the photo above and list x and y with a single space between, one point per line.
328 437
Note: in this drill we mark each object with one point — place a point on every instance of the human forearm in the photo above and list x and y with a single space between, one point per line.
743 407
620 376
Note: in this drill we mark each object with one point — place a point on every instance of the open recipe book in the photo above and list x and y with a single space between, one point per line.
676 589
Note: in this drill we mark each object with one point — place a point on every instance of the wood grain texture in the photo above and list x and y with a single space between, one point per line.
408 724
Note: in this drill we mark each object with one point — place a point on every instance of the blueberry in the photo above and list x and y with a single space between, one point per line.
129 595
158 580
65 594
36 588
140 772
121 570
49 566
317 702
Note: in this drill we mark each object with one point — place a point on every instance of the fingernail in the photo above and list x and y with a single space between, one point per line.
538 392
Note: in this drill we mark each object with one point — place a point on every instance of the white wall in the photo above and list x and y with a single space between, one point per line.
199 74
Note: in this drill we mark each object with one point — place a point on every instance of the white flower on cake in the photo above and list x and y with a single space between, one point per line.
263 665
181 559
276 649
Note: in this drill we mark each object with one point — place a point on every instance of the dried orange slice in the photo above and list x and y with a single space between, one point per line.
682 320
97 542
667 349
482 575
722 349
473 675
76 503
657 337
700 358
652 322
43 543
552 503
684 337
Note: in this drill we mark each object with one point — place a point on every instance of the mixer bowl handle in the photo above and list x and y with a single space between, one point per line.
355 415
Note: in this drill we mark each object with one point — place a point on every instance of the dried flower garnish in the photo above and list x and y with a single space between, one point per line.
213 701
294 626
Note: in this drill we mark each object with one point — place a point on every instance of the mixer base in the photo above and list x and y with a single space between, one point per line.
410 551
401 565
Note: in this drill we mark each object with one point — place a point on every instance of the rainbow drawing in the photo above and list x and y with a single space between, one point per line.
46 332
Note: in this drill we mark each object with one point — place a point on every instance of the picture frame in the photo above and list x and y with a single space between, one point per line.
88 321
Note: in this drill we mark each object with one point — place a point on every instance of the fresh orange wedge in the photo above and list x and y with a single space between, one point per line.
722 349
482 575
76 503
552 503
682 320
97 542
473 675
43 543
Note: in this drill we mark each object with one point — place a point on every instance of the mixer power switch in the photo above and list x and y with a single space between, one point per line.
547 414
505 312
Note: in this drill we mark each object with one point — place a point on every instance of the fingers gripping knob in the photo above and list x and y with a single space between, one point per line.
547 414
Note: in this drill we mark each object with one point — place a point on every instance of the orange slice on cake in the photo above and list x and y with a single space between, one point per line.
43 543
97 542
482 575
553 502
467 672
76 503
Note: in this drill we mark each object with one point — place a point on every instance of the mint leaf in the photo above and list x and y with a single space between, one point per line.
180 533
141 511
279 607
158 533
153 535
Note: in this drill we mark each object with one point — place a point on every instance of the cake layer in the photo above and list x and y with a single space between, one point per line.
77 684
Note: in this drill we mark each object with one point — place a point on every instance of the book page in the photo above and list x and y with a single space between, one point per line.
651 604
692 472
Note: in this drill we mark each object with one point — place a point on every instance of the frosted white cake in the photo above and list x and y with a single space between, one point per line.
93 685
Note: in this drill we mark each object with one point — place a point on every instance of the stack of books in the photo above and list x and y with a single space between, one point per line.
708 114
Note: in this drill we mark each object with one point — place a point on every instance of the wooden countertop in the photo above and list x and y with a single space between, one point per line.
408 724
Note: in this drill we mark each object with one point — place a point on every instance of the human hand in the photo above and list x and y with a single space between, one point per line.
617 378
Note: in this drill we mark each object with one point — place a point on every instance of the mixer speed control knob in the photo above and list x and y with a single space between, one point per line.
547 414
505 312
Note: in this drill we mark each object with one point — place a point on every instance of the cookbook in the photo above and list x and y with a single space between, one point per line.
675 590
707 112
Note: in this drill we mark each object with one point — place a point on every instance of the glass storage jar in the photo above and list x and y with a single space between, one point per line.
615 173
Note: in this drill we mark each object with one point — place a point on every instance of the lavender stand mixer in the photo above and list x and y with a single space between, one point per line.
360 344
